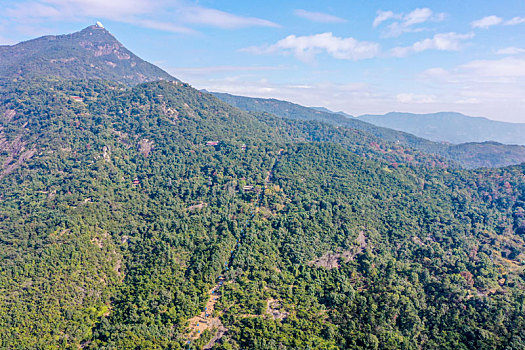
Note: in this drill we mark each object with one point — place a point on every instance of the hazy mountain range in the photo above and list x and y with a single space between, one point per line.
451 127
445 126
469 154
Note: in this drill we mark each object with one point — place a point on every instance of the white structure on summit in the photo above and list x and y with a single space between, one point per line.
99 24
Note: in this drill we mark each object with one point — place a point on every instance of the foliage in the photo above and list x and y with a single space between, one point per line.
468 155
117 218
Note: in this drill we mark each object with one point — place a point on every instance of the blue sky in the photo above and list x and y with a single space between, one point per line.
355 56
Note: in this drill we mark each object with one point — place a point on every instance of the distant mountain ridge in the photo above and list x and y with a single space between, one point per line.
470 155
92 53
450 127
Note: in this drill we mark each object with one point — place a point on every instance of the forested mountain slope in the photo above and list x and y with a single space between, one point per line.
451 127
121 207
469 155
92 53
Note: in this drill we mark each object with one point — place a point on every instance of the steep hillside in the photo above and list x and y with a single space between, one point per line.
294 111
471 155
451 127
156 216
94 53
66 99
121 208
91 53
324 109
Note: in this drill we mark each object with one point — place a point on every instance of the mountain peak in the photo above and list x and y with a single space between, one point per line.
92 53
92 28
94 33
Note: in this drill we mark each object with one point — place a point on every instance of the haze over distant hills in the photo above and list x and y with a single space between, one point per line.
451 127
90 53
468 154
324 109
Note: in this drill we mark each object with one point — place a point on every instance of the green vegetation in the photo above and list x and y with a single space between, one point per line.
116 218
468 155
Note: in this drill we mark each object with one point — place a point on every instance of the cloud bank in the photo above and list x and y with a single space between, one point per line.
306 47
486 22
163 15
318 16
442 42
406 23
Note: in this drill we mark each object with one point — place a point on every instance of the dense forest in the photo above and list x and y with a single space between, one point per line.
122 207
467 154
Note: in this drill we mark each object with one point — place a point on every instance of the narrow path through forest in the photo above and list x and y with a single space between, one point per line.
205 320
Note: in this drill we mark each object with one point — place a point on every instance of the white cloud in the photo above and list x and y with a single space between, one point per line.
508 67
442 42
383 16
318 16
113 8
468 100
164 15
415 98
136 12
31 10
417 16
486 22
434 73
191 74
163 26
396 29
515 20
224 69
459 89
221 19
490 21
306 47
492 88
508 70
354 97
510 51
407 21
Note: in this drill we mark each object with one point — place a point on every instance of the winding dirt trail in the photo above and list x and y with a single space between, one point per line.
205 320
198 324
